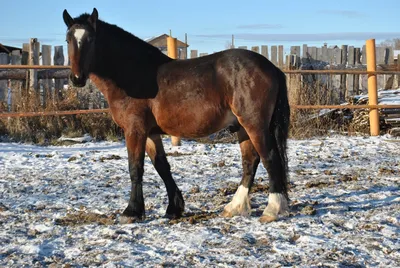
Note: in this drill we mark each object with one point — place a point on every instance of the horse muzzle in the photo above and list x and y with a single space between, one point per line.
78 81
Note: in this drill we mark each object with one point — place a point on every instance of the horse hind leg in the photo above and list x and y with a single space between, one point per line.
266 145
155 150
240 204
276 167
264 139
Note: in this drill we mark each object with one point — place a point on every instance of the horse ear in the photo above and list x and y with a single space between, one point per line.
68 20
93 18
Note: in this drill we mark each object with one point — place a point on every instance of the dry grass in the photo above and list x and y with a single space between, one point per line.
47 129
84 218
311 90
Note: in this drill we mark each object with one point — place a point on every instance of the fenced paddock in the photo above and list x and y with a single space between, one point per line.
57 210
48 83
318 78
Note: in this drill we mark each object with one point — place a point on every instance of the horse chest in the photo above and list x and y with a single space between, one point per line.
125 112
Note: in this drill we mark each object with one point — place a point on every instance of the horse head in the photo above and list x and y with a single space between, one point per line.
81 39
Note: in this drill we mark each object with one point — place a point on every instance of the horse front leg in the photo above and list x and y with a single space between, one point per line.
135 143
155 150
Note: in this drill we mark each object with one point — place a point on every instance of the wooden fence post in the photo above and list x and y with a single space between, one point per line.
193 53
264 51
280 56
3 83
33 59
172 53
16 86
295 50
58 59
304 58
372 84
172 47
350 77
24 61
274 55
255 49
47 84
313 53
343 78
357 61
398 69
325 55
364 55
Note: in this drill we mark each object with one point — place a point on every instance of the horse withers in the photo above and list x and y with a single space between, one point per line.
150 94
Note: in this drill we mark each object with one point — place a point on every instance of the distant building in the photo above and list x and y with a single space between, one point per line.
161 43
8 49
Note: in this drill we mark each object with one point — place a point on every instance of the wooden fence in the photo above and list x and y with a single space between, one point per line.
333 55
23 76
343 58
341 69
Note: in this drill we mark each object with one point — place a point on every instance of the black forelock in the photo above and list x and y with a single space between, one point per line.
82 19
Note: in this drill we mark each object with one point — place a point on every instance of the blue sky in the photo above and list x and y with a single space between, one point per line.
210 24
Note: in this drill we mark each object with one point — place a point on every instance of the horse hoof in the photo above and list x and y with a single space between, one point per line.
132 215
128 220
231 210
226 214
229 214
268 218
172 216
174 212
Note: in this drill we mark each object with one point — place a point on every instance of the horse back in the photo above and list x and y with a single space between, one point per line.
196 97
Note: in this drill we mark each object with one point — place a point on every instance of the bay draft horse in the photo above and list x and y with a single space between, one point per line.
150 94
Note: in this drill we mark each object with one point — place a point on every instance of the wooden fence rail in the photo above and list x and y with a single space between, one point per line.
325 71
56 73
343 69
56 113
34 67
293 106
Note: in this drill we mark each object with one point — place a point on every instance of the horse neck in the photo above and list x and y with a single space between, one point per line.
118 51
124 65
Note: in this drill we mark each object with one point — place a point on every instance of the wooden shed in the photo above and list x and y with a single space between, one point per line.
8 49
161 43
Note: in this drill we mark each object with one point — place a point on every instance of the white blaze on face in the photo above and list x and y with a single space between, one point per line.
79 33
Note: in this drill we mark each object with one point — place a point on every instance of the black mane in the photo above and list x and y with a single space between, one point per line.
126 59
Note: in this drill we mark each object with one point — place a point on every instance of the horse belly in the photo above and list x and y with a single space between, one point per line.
196 123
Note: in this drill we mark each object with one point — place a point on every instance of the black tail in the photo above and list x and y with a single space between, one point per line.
279 128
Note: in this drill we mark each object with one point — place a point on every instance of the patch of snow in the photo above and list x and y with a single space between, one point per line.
345 206
85 138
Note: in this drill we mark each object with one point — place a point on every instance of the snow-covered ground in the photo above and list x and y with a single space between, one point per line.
59 206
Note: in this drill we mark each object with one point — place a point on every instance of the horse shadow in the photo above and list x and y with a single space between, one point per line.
339 206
